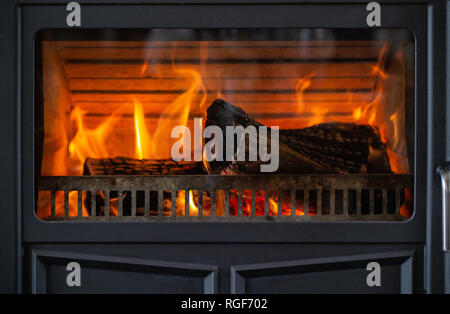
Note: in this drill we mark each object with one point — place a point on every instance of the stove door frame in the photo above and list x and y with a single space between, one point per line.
413 17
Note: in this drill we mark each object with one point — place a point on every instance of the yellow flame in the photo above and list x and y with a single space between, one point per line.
193 209
143 138
138 137
206 163
357 114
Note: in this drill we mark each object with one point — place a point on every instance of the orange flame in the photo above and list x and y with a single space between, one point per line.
376 112
302 84
89 142
273 206
318 112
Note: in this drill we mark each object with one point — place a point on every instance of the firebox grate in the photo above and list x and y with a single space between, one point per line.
373 197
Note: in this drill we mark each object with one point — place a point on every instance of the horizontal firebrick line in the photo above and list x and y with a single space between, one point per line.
222 78
260 91
253 101
196 46
220 70
278 115
217 61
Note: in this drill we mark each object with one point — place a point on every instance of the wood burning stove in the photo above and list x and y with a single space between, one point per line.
119 172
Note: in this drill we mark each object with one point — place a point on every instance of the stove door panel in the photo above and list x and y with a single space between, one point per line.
337 274
62 272
226 268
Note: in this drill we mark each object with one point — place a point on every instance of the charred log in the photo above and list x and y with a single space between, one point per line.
323 148
129 166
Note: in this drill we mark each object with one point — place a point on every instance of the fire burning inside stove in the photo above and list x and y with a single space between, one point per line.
342 108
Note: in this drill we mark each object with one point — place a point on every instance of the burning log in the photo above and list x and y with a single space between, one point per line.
322 148
129 166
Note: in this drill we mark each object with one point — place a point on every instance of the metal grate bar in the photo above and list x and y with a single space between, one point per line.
107 194
187 199
306 202
319 205
363 190
200 203
333 202
133 203
173 195
345 202
147 203
358 202
213 203
384 202
240 197
52 203
227 203
93 203
66 204
80 203
371 202
160 202
266 203
120 203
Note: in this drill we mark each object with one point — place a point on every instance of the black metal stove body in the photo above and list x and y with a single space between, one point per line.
217 256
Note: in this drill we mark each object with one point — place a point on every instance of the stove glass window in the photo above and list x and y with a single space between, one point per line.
232 124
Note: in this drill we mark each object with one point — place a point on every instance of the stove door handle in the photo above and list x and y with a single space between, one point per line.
444 171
